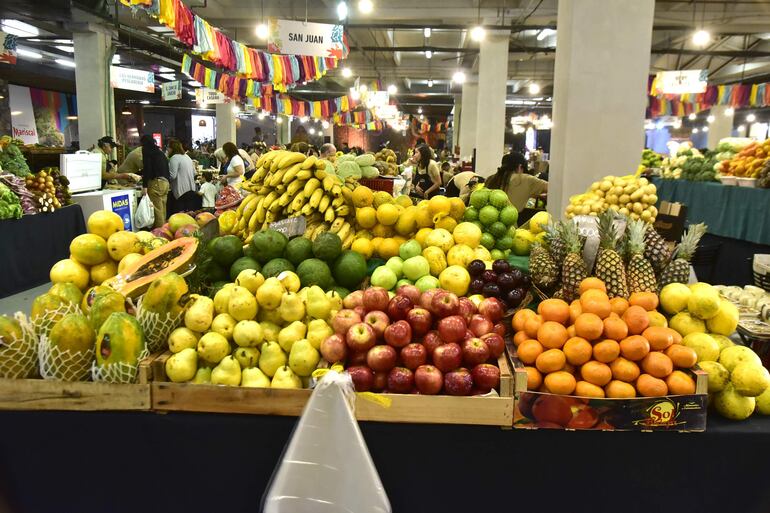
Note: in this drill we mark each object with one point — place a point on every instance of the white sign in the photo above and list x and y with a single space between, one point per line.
291 226
300 38
206 95
682 82
171 90
132 79
22 115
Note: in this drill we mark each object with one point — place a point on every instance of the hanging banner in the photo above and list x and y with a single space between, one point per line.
682 82
171 90
22 115
132 79
206 95
300 38
7 48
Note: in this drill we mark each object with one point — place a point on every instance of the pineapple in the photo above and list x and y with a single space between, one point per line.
574 269
609 265
544 271
678 270
656 249
556 242
641 276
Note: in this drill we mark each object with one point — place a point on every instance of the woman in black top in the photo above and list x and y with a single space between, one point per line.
155 178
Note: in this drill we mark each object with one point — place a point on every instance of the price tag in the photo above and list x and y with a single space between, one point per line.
291 226
588 227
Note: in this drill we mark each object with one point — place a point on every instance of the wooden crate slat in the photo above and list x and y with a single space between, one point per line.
41 394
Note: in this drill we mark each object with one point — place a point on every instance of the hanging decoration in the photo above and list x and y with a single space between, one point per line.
736 96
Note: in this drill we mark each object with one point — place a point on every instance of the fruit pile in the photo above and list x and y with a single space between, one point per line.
491 210
502 281
524 238
417 342
650 159
749 161
348 165
627 195
386 162
51 189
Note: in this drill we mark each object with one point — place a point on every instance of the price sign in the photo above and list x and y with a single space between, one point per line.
291 226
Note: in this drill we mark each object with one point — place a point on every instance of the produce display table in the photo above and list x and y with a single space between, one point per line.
217 462
32 244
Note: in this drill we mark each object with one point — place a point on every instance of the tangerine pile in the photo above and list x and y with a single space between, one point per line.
601 347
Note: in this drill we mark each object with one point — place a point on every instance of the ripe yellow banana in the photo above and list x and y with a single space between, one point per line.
251 206
346 243
258 175
311 185
306 209
298 201
294 186
252 226
338 201
319 173
285 199
328 182
343 211
337 224
324 203
309 162
347 194
344 231
261 160
239 211
329 215
291 173
271 217
321 228
275 207
291 158
336 191
315 198
277 177
304 174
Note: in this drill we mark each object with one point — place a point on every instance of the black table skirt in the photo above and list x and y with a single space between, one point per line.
54 462
32 244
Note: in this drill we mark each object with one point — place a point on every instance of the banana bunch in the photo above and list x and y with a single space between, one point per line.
289 184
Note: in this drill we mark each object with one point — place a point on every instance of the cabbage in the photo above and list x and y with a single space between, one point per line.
369 172
348 168
367 159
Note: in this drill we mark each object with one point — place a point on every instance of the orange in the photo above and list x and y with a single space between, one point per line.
679 383
650 386
624 370
593 294
550 361
520 337
619 389
647 300
637 320
574 310
677 337
619 305
657 364
560 382
598 306
577 350
534 378
532 324
592 283
606 351
597 373
615 328
589 326
552 335
517 323
660 338
528 351
586 389
634 347
682 356
571 331
555 310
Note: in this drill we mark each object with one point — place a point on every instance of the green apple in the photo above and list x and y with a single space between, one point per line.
426 283
409 249
416 267
396 265
404 281
384 277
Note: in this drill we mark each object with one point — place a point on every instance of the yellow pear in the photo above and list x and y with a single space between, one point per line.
290 334
292 308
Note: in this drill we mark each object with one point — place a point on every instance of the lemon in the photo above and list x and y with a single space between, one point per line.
468 234
440 238
439 205
456 208
70 270
424 217
460 255
538 221
387 214
422 234
436 259
389 248
447 223
381 198
363 247
406 201
363 196
366 217
383 231
399 239
407 221
482 253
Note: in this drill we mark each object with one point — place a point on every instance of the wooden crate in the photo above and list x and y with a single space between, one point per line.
436 409
44 394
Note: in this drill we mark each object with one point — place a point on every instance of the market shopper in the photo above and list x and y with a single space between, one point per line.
513 178
233 166
208 192
132 163
328 151
104 146
427 178
155 177
181 170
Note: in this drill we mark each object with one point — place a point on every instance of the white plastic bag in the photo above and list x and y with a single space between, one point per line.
326 466
144 217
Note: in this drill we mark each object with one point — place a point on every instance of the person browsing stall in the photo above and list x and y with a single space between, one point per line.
181 170
427 178
512 177
155 177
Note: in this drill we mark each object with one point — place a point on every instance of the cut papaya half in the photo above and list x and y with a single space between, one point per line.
176 256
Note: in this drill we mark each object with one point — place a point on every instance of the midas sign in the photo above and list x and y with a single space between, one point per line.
123 202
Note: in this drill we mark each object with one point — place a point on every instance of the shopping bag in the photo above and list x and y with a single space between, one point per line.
326 466
144 217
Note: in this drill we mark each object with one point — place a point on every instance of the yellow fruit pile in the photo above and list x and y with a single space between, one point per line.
629 195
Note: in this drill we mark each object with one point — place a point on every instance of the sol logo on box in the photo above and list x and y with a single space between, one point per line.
660 413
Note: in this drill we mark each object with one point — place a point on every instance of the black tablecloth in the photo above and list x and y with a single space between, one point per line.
146 462
32 244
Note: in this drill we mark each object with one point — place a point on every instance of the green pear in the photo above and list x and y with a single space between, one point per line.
182 338
271 358
212 347
270 331
222 298
274 316
247 356
336 299
250 279
285 378
254 378
292 308
202 376
291 333
224 324
303 358
248 334
182 366
199 313
318 330
270 293
242 305
319 305
228 372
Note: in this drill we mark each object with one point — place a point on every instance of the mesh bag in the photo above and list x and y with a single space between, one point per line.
18 357
156 327
45 322
120 372
63 364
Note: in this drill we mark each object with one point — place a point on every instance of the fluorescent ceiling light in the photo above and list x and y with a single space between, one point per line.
430 82
164 69
710 118
19 28
458 77
342 10
478 33
72 118
428 54
426 32
262 31
311 131
545 33
695 130
68 49
279 120
705 129
65 63
126 112
741 128
28 53
16 113
325 124
750 118
701 38
168 76
347 72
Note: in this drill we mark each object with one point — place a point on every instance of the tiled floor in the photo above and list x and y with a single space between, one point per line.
21 301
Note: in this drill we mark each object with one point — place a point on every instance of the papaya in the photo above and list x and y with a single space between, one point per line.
73 333
67 290
10 330
136 278
165 295
90 296
47 310
120 340
104 306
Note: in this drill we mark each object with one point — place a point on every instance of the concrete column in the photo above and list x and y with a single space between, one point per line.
490 115
599 100
283 130
93 56
468 102
225 124
721 127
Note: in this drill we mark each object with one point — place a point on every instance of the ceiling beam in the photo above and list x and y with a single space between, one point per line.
552 49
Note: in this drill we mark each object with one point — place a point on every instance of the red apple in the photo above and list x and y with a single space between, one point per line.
486 376
360 310
381 358
468 335
398 334
376 298
445 304
458 382
496 344
354 299
475 352
410 291
452 328
399 307
499 328
378 320
428 379
492 309
400 380
480 325
362 377
420 320
344 319
431 341
426 299
360 337
413 355
356 358
447 357
380 381
334 348
467 309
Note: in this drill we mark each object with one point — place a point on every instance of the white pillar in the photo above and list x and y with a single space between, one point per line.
283 129
599 100
490 115
467 130
92 81
721 127
225 124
